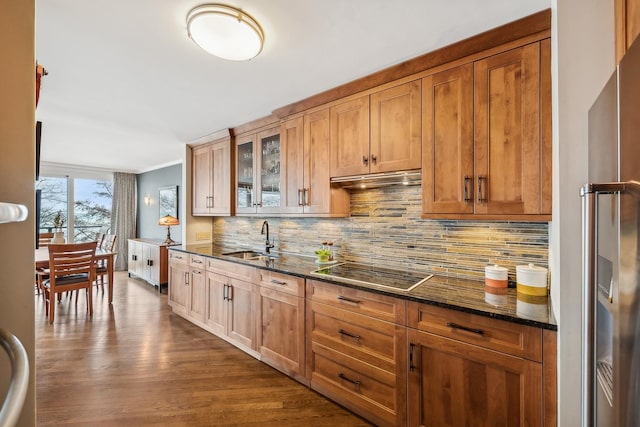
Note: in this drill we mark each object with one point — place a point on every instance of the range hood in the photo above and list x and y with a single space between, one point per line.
376 180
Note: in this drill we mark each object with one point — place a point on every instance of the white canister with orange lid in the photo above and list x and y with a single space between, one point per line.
496 276
531 280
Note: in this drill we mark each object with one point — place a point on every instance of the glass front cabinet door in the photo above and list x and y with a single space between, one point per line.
258 171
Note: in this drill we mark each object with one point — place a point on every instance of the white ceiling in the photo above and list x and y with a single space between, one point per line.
127 89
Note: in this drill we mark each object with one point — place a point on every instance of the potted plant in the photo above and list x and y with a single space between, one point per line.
58 223
323 255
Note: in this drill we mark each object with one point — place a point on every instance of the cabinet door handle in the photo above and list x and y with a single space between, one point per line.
353 301
300 197
467 179
278 282
229 293
412 367
374 159
347 379
186 278
150 263
306 196
365 160
465 328
481 198
350 335
224 293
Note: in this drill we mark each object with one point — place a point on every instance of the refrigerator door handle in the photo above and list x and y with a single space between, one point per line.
589 199
589 193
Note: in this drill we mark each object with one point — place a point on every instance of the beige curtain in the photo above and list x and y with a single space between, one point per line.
123 215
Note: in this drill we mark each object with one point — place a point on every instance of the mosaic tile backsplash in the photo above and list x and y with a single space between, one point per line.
385 229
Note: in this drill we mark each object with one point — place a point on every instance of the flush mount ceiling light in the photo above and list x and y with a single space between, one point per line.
225 31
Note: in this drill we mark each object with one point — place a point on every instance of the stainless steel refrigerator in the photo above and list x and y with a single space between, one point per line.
611 253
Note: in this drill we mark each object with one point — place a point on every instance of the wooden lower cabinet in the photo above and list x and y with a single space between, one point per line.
179 282
357 359
230 310
452 383
197 277
280 323
471 370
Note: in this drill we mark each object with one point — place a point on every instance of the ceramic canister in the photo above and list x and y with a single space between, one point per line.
531 280
495 276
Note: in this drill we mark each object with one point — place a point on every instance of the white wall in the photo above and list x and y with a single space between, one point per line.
583 59
17 173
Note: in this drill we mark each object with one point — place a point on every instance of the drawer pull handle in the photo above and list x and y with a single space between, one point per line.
196 271
278 282
344 377
465 328
412 367
196 261
350 335
353 301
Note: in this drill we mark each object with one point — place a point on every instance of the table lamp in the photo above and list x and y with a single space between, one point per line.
168 221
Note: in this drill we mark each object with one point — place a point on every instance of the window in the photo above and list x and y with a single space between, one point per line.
85 203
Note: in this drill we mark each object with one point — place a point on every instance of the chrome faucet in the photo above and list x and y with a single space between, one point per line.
267 244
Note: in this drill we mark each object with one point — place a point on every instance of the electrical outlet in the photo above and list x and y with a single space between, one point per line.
203 235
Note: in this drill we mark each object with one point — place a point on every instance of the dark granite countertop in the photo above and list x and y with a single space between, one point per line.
458 294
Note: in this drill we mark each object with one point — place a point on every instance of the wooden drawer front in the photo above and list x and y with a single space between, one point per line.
231 269
359 386
511 338
368 303
176 257
369 340
282 282
197 261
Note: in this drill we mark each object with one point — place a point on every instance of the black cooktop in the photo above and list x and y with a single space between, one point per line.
371 275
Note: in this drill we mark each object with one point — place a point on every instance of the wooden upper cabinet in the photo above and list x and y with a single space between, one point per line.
507 132
292 165
487 137
211 176
305 156
318 197
377 133
627 17
396 128
447 146
350 137
259 177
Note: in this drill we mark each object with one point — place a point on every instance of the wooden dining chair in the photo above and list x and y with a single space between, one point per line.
108 244
44 239
71 267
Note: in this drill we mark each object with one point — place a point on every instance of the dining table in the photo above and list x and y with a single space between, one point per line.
42 262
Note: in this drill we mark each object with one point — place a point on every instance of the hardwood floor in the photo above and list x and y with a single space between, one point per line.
135 363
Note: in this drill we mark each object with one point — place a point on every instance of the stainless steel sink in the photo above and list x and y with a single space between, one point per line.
249 255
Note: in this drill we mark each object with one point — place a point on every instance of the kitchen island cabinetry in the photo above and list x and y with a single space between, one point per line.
377 133
148 259
472 370
231 303
280 323
356 350
212 179
485 145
